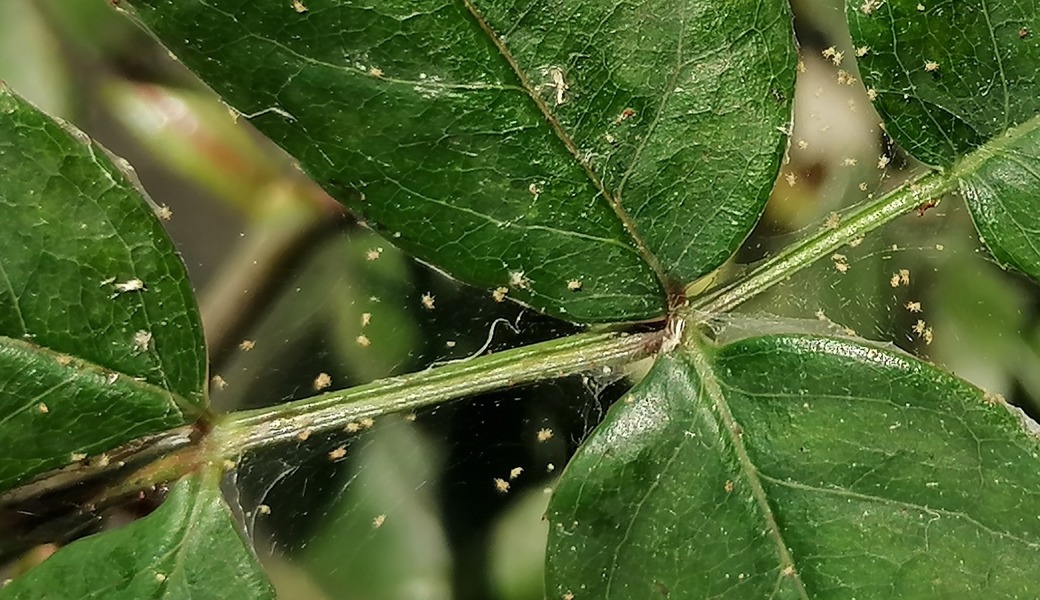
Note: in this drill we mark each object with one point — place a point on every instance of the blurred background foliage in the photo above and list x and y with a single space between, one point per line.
297 295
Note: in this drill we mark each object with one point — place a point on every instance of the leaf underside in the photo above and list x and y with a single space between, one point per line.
527 145
189 548
799 467
950 77
89 359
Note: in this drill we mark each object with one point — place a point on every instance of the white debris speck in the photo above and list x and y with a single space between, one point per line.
519 279
559 85
130 285
142 341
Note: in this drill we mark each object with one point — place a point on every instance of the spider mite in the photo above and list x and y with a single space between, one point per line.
925 206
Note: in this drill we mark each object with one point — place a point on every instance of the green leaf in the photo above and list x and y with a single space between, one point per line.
950 78
800 467
90 362
524 145
188 548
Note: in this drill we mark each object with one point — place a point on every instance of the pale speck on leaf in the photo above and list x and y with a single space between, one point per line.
519 279
130 285
142 341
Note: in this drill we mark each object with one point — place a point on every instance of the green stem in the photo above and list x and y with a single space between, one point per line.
799 256
247 430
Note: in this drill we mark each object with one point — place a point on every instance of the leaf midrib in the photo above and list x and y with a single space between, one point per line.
710 386
627 221
186 408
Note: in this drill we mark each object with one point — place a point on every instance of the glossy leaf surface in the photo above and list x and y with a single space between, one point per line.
950 77
100 340
589 158
799 467
189 548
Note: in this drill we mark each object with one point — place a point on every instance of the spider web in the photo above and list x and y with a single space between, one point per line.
447 503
